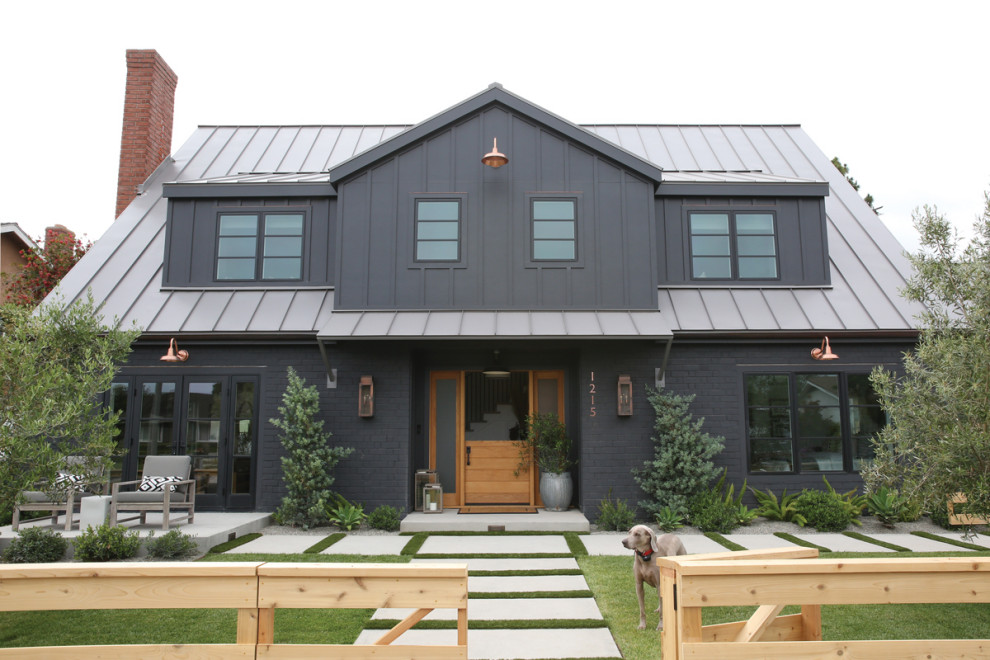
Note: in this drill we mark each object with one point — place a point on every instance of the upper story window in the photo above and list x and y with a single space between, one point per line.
733 245
811 422
438 229
260 246
554 229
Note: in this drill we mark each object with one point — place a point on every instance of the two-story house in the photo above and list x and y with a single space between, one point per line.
435 300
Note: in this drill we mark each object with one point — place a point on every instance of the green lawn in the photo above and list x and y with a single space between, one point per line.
609 578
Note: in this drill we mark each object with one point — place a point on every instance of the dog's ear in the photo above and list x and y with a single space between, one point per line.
653 540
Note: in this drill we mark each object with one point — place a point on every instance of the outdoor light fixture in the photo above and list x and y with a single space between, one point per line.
495 370
823 353
494 158
366 397
625 396
175 355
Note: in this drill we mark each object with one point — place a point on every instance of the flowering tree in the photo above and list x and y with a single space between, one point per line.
45 266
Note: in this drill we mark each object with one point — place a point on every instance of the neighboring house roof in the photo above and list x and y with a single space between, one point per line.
124 268
14 230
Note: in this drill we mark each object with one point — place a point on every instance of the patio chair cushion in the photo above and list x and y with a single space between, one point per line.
136 496
69 480
151 484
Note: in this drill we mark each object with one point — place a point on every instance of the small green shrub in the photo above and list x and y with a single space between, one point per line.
36 545
106 543
709 512
172 545
940 516
887 505
668 520
614 515
384 517
851 502
347 516
823 511
785 509
744 515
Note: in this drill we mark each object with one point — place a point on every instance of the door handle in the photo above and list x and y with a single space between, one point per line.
469 456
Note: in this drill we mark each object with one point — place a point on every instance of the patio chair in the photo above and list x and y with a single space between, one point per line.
61 496
164 486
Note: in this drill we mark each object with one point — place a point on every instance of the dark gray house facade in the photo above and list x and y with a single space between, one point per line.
396 272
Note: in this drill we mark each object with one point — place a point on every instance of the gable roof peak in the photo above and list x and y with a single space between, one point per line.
495 93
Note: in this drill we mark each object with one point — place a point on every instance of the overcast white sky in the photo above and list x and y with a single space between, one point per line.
897 90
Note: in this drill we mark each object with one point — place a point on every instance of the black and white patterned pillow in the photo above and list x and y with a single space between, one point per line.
69 481
157 484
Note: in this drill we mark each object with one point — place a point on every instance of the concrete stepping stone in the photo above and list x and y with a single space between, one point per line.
840 542
517 644
496 545
368 544
279 543
605 544
699 543
508 564
513 584
508 609
759 541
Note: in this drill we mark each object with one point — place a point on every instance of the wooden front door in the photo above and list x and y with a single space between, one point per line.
475 421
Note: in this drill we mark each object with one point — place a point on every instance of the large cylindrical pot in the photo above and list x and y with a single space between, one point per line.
556 490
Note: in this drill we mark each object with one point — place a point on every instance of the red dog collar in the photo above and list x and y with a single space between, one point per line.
645 556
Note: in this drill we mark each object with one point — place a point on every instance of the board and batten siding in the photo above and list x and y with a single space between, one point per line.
615 266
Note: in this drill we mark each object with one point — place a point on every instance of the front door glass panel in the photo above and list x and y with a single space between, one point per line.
244 437
203 414
156 435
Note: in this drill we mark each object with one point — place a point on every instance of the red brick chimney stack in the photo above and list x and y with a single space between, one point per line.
146 137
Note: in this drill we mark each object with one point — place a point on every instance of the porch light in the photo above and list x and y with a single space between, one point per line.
496 370
625 396
432 498
173 354
366 397
423 478
824 353
494 158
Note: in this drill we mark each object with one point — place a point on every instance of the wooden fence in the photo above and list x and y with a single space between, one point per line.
254 589
771 579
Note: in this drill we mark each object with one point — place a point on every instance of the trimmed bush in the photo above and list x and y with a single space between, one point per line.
106 543
614 515
36 545
172 545
709 512
384 517
823 511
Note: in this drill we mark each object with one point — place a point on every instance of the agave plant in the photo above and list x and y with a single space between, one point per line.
784 509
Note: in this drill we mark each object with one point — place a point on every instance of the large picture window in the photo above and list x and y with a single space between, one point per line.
260 246
811 422
733 245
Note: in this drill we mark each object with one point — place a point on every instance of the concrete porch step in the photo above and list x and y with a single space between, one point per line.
451 520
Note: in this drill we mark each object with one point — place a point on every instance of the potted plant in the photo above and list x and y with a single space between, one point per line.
545 442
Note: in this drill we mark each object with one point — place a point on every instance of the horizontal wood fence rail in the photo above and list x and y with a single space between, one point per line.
254 589
771 579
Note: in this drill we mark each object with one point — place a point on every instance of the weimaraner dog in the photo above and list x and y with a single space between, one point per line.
648 547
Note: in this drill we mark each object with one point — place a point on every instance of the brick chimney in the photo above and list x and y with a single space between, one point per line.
146 137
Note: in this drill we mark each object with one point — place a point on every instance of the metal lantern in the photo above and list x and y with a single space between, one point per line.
423 477
432 498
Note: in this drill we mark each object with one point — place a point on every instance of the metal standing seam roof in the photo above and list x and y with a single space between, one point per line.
124 268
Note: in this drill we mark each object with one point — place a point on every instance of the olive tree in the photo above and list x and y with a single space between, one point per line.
55 363
937 441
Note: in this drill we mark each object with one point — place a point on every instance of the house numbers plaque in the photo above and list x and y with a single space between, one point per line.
591 391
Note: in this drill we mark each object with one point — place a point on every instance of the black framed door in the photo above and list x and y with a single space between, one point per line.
212 418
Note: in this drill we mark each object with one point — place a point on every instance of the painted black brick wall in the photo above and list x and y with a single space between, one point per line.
612 446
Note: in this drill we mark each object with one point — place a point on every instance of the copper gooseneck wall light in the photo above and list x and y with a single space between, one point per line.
494 158
824 353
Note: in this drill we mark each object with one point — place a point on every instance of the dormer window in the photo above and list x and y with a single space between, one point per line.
260 246
733 245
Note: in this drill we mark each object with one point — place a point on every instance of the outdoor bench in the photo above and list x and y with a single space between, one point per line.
254 589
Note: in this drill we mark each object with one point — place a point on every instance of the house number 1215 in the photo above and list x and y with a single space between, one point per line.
591 391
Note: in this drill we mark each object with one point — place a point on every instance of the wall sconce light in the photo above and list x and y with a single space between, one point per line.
625 396
366 397
175 355
494 158
824 353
